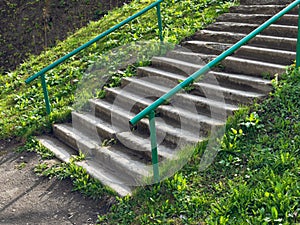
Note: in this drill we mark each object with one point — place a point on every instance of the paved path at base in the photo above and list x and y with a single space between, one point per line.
26 198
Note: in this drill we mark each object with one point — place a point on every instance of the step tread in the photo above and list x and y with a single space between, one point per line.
270 50
176 61
249 94
64 153
163 127
59 149
110 152
244 78
182 112
255 62
95 122
188 96
143 144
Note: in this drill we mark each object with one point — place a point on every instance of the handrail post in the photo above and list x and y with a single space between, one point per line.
298 41
46 96
154 146
160 27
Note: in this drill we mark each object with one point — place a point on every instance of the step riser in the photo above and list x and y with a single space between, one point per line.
227 81
263 71
290 32
94 131
264 2
231 98
190 57
260 9
283 58
143 127
98 156
289 20
186 103
174 68
202 107
258 41
168 114
235 83
65 138
212 49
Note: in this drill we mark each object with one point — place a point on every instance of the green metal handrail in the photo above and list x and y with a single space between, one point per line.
41 73
150 110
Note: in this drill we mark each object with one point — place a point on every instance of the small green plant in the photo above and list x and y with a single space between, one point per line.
21 166
188 88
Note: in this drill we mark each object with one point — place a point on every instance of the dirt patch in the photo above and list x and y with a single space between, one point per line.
28 27
26 198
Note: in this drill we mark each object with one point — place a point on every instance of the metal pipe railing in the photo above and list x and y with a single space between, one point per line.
87 44
150 110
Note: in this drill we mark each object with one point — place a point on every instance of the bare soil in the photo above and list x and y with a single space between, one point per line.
29 27
26 198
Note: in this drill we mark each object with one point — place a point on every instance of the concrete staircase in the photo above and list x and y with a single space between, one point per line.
119 156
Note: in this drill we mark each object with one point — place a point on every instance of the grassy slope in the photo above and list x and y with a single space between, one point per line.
22 108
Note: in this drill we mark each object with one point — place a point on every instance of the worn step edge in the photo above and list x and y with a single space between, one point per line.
188 120
261 9
121 163
263 2
273 30
93 125
253 67
266 55
263 85
281 43
172 133
287 19
263 54
136 142
64 153
177 66
239 96
231 80
182 98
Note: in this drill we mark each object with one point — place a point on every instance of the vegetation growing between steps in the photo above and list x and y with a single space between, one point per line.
254 179
50 168
22 108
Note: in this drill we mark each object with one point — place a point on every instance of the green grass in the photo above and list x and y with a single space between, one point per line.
22 108
254 179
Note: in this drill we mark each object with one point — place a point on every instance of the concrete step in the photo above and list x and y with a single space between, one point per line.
203 106
65 153
93 126
242 81
266 55
281 43
291 20
126 167
260 9
273 30
255 67
141 143
187 55
214 90
230 95
252 67
249 52
176 66
236 81
264 2
166 132
206 47
188 120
